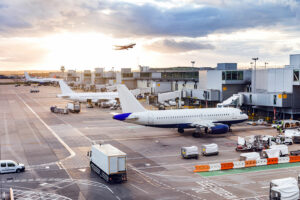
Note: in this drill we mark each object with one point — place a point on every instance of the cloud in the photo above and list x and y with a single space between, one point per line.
123 19
172 46
19 52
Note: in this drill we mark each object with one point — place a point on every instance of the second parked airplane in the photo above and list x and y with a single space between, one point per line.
95 97
212 120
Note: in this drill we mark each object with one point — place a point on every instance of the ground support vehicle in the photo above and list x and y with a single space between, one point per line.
284 189
55 109
190 152
108 162
249 156
10 166
74 107
210 149
275 151
250 143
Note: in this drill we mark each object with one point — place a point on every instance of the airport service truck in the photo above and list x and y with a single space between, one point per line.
108 162
74 107
284 189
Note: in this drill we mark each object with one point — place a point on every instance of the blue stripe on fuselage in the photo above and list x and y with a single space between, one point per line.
121 117
187 125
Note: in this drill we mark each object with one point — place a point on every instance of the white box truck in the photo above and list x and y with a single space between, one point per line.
74 107
108 162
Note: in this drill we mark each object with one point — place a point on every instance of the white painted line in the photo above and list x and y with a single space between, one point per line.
140 189
72 153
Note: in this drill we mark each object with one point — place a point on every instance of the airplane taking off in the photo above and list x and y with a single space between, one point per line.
39 80
95 97
124 47
212 120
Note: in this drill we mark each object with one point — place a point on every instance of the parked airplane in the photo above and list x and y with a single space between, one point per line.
39 80
124 47
212 120
95 97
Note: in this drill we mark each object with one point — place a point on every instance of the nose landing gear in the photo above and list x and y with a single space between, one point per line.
180 130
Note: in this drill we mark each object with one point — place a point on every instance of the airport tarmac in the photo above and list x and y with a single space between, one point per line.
53 148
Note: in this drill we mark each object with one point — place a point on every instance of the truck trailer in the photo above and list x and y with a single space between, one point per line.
108 162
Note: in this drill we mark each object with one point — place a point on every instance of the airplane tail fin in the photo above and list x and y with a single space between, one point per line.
128 102
27 77
65 89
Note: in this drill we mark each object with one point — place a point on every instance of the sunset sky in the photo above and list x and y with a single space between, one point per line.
80 34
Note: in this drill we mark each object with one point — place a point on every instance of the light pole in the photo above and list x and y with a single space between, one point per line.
193 63
254 77
266 65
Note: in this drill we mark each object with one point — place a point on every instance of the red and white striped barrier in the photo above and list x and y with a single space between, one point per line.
244 164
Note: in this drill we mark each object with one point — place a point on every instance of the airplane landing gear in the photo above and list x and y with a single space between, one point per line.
230 130
197 133
180 130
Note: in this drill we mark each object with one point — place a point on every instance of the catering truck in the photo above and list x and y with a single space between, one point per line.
108 162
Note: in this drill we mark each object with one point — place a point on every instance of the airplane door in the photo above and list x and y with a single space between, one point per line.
233 115
150 118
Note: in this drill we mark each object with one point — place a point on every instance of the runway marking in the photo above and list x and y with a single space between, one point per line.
163 184
139 188
72 153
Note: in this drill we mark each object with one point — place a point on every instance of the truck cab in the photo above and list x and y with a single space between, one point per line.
10 166
285 188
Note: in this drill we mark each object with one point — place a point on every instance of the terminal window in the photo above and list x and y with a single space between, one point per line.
127 75
232 75
296 75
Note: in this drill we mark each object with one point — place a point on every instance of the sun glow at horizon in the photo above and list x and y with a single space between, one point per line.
87 50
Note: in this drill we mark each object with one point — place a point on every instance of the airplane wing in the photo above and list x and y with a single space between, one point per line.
203 123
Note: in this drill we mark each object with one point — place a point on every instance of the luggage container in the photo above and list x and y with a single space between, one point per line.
210 149
190 152
249 156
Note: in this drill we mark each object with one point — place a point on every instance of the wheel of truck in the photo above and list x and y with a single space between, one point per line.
18 171
104 176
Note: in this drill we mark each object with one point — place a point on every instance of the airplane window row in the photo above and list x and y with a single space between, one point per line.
186 116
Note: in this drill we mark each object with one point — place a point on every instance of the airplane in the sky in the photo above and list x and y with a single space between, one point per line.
212 120
39 80
124 47
95 97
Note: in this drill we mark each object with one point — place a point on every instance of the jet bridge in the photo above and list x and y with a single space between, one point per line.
162 97
235 100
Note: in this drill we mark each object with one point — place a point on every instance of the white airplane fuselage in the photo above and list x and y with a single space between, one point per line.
183 118
94 97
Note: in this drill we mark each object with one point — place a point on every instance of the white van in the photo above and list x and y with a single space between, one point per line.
9 166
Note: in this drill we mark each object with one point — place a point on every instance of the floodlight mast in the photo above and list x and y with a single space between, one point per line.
254 77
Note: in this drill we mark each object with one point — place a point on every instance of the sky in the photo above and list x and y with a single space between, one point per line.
80 34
